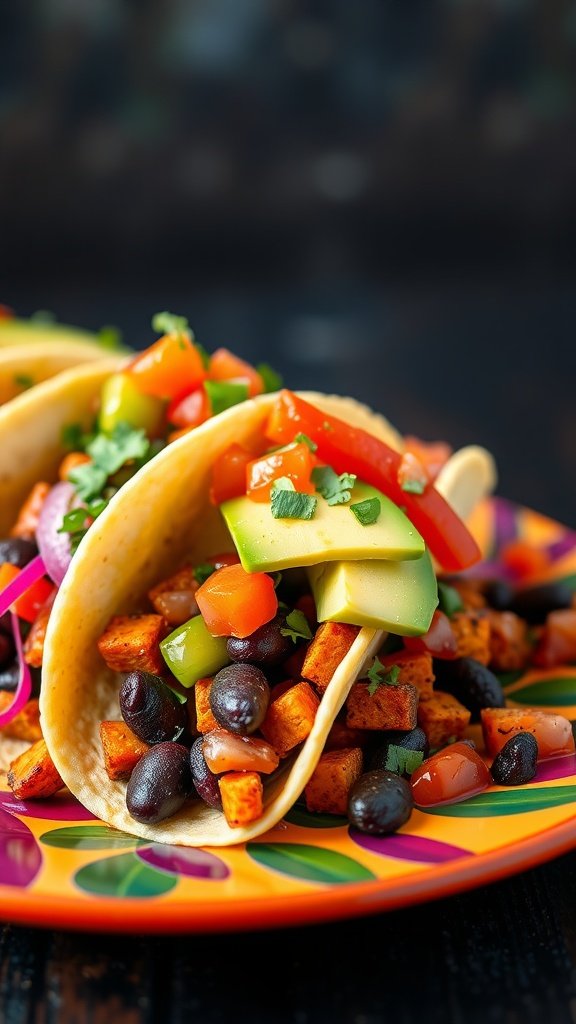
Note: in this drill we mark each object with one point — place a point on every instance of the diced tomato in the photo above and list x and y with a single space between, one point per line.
190 411
224 365
234 602
224 752
29 604
439 641
229 474
170 368
557 642
522 560
431 454
553 733
6 313
296 461
453 774
350 449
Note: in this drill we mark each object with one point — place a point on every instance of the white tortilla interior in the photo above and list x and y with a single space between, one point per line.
160 518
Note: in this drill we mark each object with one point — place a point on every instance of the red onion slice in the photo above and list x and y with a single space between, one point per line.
24 688
53 546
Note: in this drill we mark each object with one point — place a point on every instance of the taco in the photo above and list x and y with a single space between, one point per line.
313 510
67 446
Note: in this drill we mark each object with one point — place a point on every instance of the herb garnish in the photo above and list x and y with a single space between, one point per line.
403 761
304 439
413 486
203 571
170 323
449 600
282 483
292 504
108 453
335 489
223 394
23 380
297 627
77 521
367 511
272 381
381 675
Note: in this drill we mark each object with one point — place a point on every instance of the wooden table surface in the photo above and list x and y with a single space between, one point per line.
504 953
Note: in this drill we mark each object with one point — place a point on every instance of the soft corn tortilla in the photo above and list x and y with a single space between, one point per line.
22 367
160 518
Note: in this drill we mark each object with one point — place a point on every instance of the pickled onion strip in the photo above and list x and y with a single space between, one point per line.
24 687
30 574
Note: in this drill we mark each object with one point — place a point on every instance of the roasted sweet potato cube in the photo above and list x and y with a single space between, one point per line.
415 669
33 774
26 724
132 642
242 797
341 736
34 642
290 718
472 632
29 515
443 719
330 645
205 720
174 598
510 647
389 707
122 749
332 780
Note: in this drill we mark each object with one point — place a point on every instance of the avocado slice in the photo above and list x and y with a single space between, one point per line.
398 596
265 544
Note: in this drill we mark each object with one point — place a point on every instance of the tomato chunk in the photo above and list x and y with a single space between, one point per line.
453 774
295 461
234 602
553 733
190 411
224 365
229 474
440 640
432 454
224 752
557 642
350 449
171 367
29 604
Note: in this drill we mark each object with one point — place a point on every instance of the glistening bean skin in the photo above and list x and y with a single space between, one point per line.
516 763
159 784
151 709
266 646
471 682
17 551
205 781
239 698
380 802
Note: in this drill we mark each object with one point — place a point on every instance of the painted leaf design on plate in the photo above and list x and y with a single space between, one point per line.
402 846
89 837
298 815
556 691
62 807
493 803
310 863
555 768
123 876
20 856
181 860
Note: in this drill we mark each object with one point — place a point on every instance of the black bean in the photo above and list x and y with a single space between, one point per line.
159 784
380 802
9 676
499 594
266 646
472 683
535 603
151 709
239 698
17 551
7 650
516 763
414 739
205 781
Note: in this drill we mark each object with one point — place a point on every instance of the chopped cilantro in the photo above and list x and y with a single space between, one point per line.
367 511
170 323
335 489
23 380
403 761
292 505
413 486
304 439
223 394
108 453
110 337
77 521
43 316
449 600
380 675
272 381
283 483
297 627
75 438
203 571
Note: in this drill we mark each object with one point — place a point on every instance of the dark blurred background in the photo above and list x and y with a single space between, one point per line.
376 197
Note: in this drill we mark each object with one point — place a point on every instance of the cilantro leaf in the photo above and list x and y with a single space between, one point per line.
282 483
304 439
297 627
381 675
403 761
413 486
292 505
335 489
108 454
203 571
223 394
170 323
272 381
367 511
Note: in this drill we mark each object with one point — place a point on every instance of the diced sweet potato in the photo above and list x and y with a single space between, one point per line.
472 632
174 598
341 736
290 718
34 642
242 797
470 593
330 645
443 719
553 733
27 522
70 462
205 720
33 775
415 669
131 642
510 648
26 724
389 707
332 780
122 749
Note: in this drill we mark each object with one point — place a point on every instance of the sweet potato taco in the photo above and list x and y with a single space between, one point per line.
313 525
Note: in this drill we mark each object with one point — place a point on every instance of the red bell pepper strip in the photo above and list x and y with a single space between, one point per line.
350 449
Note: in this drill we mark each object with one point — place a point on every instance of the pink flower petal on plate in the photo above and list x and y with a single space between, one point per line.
62 807
20 856
402 846
180 860
556 768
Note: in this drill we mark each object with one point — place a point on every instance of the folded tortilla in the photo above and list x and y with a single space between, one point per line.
161 518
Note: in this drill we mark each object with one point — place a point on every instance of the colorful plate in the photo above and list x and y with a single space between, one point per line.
60 867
